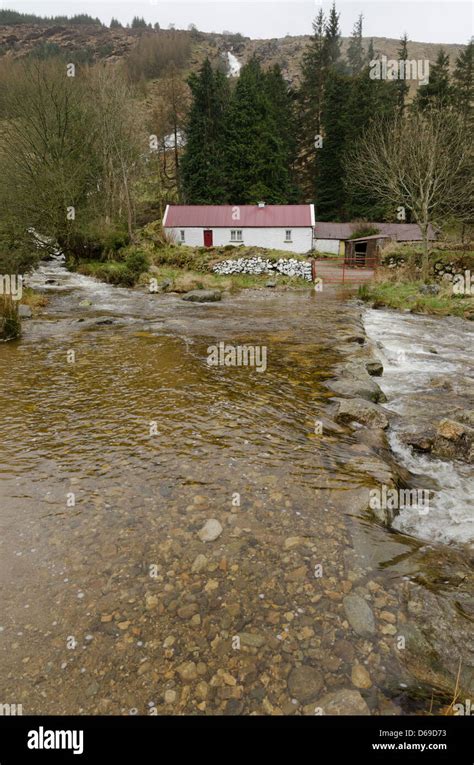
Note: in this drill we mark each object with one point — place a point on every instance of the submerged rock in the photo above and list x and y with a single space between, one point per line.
364 412
203 296
344 702
359 614
304 683
454 440
24 312
210 531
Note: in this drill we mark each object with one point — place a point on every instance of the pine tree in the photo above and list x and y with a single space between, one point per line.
203 164
402 85
355 52
330 191
256 149
310 103
115 23
332 40
437 92
463 86
371 51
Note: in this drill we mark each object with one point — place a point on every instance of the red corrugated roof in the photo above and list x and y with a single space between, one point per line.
401 232
233 216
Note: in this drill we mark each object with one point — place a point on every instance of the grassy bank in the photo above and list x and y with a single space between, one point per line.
407 296
185 268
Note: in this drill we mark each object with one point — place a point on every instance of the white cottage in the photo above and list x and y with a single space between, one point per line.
279 227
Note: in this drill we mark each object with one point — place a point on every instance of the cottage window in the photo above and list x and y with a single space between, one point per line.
288 235
182 235
236 235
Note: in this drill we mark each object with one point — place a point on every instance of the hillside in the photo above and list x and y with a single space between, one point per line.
93 42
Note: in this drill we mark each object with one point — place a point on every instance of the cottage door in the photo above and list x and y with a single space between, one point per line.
208 238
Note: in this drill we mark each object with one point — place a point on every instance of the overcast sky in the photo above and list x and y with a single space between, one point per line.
450 21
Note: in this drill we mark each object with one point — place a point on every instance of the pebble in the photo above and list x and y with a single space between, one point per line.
304 683
359 614
211 530
360 677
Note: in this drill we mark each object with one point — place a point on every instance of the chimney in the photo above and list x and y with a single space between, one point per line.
261 204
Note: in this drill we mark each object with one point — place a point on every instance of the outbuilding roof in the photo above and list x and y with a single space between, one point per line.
400 232
235 216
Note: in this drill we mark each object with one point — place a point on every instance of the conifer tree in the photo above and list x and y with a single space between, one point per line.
355 52
310 103
256 146
203 162
330 191
437 92
402 85
332 40
463 85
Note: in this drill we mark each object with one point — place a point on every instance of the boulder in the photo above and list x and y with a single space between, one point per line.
24 312
343 702
203 296
454 441
364 412
374 368
358 388
210 531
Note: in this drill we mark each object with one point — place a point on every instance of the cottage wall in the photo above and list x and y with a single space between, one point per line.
273 238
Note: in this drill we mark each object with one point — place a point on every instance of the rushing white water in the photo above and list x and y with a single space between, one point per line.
428 371
234 65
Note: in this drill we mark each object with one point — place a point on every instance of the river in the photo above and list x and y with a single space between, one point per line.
119 442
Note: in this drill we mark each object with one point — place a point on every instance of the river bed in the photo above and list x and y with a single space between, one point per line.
119 442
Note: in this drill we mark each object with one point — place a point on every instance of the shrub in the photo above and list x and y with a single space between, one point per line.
136 262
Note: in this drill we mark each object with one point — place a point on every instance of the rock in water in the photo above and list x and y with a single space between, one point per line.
210 531
345 702
203 296
24 312
365 412
304 683
359 615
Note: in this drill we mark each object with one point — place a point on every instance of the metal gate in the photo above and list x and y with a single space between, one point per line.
339 271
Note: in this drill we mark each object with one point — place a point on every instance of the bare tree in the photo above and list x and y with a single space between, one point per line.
421 162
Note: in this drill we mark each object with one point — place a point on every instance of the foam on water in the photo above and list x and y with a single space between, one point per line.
414 350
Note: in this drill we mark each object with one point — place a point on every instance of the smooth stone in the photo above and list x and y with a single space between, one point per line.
304 683
211 530
360 677
359 614
343 702
24 312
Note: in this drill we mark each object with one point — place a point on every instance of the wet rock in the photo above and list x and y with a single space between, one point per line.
187 671
360 677
85 303
364 412
343 702
211 530
251 639
374 368
359 614
170 696
24 312
454 440
304 683
420 442
203 296
199 564
365 389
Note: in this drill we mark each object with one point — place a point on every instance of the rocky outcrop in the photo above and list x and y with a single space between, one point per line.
363 412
